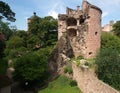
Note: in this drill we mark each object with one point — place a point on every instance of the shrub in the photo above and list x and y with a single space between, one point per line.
68 69
73 83
108 67
86 63
3 66
80 57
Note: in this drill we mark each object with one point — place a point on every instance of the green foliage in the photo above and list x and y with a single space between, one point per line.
2 47
29 68
29 51
44 29
3 66
68 69
34 24
73 83
110 41
6 12
90 62
108 70
22 34
15 53
32 66
32 41
4 28
77 60
61 85
80 57
15 42
116 28
86 63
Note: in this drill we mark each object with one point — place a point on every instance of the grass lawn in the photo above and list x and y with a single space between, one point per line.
61 85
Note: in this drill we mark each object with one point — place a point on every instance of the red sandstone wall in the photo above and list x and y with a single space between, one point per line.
61 28
88 82
93 36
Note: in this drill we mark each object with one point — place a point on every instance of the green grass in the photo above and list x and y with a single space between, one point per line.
61 85
3 66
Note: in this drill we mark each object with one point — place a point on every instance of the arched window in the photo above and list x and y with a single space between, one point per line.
71 21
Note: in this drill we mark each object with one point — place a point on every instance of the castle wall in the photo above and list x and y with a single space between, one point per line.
61 27
88 82
83 27
93 36
108 27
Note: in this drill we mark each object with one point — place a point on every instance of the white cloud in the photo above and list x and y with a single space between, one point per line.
56 8
104 14
53 13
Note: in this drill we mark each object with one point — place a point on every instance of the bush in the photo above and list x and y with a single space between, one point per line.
3 66
73 83
108 70
2 47
32 67
68 69
110 41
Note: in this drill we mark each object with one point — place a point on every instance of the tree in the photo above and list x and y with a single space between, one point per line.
32 67
4 28
34 42
110 41
116 28
2 47
22 34
15 42
45 29
15 47
108 67
6 12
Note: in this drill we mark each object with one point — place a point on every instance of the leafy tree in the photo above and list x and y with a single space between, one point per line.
22 34
116 28
108 70
32 67
4 28
2 47
34 42
44 28
110 41
6 12
15 47
15 53
15 42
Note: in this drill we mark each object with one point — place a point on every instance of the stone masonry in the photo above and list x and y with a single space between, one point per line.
83 27
108 27
88 82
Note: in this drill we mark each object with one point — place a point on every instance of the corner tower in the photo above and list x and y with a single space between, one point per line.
83 28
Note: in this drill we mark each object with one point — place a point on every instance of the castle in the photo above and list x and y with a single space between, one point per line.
83 27
108 27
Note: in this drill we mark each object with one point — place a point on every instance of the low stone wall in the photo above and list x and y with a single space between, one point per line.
88 81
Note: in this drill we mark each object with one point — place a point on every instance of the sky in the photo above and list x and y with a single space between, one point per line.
25 8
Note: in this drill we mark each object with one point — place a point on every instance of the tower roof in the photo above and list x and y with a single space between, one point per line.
34 15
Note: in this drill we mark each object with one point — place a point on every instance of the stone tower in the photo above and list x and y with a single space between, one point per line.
29 19
83 28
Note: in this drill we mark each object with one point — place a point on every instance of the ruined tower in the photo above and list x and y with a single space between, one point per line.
83 28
